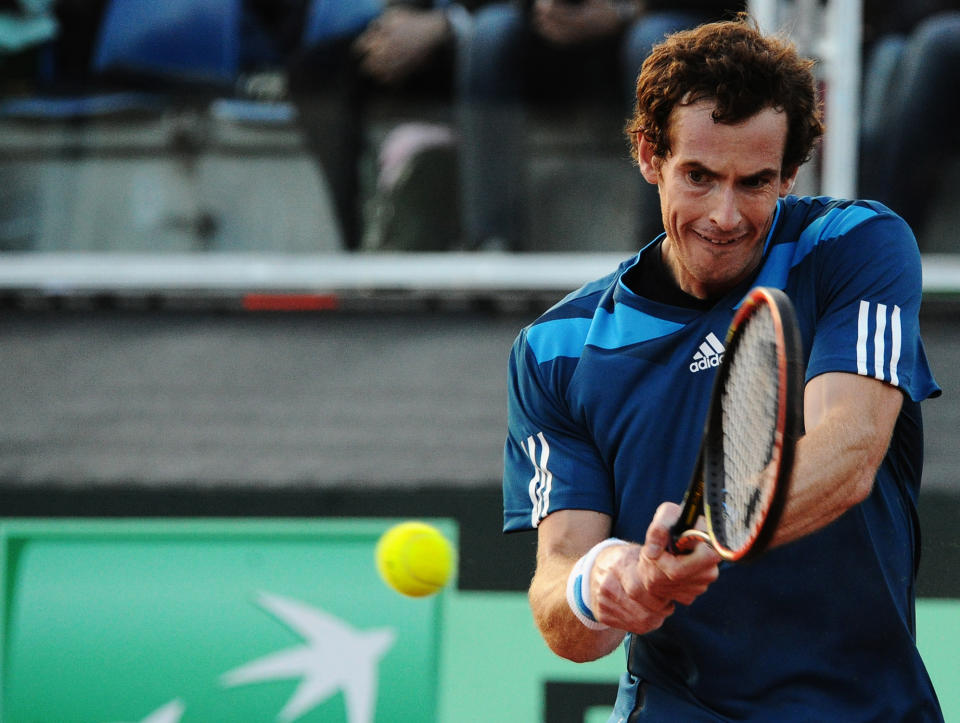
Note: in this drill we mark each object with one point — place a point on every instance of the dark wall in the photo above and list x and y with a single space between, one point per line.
489 560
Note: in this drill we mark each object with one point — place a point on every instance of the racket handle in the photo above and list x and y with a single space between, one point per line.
692 505
688 518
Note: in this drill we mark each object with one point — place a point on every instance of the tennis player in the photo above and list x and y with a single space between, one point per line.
607 396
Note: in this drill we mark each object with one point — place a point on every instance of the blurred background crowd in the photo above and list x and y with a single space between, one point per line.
346 125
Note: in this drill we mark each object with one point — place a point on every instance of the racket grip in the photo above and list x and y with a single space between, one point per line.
688 518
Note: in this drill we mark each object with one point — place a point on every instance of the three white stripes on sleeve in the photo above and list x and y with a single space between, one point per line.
542 479
884 369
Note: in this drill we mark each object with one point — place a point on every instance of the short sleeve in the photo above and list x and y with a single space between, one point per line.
869 293
550 461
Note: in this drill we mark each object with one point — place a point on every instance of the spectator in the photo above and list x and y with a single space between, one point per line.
406 53
25 25
911 98
543 49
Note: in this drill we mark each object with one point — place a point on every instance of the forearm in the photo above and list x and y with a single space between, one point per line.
561 630
850 421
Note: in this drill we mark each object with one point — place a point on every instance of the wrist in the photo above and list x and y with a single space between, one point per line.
578 584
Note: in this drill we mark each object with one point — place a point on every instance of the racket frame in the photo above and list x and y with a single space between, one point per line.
704 494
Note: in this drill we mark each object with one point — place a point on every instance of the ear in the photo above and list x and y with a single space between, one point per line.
648 162
787 179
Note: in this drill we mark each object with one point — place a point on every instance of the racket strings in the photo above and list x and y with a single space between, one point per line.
750 403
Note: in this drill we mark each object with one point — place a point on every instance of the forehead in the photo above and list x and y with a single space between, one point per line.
752 145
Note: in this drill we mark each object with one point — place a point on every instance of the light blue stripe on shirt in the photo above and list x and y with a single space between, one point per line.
783 257
567 337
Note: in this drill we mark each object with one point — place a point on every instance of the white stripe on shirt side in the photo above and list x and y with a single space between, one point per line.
547 476
895 341
542 480
862 324
535 480
879 352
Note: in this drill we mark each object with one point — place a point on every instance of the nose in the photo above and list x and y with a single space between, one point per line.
724 210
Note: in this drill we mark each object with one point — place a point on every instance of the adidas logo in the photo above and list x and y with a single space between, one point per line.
709 355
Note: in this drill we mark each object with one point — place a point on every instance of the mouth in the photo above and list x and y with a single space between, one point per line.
720 240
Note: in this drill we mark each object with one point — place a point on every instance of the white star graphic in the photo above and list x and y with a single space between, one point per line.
336 656
172 712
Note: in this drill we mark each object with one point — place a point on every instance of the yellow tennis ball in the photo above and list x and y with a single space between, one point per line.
415 559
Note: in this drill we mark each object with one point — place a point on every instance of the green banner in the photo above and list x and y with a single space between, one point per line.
169 622
146 621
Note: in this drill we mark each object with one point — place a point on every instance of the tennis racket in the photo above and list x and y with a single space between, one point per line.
743 469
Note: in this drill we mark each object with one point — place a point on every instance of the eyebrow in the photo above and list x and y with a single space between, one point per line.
761 174
765 174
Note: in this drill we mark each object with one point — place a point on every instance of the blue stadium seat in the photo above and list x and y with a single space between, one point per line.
328 19
65 107
181 41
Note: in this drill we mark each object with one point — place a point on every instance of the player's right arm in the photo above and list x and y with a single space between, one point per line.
633 587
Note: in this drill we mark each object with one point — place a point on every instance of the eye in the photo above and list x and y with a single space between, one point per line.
756 181
697 176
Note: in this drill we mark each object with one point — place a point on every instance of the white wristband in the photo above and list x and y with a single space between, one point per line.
578 584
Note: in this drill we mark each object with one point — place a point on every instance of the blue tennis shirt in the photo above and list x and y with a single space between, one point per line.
607 397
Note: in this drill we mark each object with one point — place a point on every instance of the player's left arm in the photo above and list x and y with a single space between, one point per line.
866 356
849 421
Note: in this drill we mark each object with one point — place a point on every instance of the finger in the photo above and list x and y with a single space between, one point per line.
697 571
702 561
681 578
618 598
658 533
635 615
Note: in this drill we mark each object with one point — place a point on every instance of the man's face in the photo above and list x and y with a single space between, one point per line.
719 187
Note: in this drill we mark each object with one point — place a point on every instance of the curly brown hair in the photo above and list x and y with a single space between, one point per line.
739 68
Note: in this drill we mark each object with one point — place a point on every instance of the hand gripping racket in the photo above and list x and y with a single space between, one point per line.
743 470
